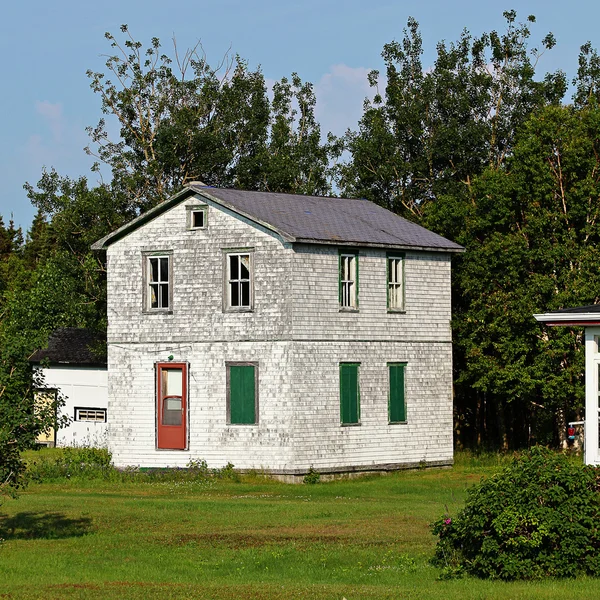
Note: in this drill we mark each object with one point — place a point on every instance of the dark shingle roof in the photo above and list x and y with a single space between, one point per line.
72 345
310 219
329 220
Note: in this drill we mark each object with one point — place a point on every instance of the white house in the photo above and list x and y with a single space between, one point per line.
278 332
589 318
74 365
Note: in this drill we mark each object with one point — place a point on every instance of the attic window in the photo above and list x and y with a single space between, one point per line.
196 217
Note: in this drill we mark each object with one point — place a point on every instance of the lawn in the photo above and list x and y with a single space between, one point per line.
364 538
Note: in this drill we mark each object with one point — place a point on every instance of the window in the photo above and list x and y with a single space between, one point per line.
158 277
348 280
396 399
242 393
395 282
196 217
238 293
349 394
171 406
91 415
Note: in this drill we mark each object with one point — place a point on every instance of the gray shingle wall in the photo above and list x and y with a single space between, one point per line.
198 282
317 315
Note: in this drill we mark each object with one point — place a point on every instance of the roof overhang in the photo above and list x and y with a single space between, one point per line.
569 319
194 189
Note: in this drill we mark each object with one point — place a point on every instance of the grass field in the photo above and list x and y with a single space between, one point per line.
365 538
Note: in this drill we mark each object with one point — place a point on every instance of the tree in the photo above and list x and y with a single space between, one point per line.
533 234
433 130
182 120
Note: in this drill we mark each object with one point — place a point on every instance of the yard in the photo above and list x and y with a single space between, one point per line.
365 538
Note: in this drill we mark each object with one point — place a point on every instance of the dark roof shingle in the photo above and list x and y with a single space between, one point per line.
330 220
309 219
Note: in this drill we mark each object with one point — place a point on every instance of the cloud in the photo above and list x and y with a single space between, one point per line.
340 97
54 118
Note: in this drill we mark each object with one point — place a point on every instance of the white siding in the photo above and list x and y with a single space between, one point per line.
82 387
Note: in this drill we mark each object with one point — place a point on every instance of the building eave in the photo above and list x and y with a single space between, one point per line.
569 319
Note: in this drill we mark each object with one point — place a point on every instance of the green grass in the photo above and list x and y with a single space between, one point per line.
365 538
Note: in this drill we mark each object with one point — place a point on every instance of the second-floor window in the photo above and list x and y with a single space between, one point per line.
158 282
348 281
395 281
239 280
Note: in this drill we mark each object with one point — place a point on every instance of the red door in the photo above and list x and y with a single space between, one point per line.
171 405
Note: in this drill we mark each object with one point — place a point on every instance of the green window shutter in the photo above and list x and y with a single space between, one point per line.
242 395
397 402
349 393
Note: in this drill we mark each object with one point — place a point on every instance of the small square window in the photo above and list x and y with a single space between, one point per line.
196 217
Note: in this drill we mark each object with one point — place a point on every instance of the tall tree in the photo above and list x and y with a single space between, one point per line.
433 130
183 120
533 233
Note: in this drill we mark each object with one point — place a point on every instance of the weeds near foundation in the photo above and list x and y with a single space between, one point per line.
87 463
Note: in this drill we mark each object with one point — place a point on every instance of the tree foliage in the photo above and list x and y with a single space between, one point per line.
183 120
480 149
477 147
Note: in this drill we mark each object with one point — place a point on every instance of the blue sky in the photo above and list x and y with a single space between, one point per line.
46 102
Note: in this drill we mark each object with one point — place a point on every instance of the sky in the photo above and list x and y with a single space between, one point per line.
46 102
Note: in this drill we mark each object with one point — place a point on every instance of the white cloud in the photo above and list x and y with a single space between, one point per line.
340 96
54 118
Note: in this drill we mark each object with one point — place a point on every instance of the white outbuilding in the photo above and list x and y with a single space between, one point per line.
74 366
589 318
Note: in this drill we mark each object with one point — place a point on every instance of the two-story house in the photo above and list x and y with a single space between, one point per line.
278 332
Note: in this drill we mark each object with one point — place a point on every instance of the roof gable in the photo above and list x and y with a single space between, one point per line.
307 219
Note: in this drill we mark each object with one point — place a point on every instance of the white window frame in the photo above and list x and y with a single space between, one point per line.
348 281
148 284
395 282
191 211
84 409
238 282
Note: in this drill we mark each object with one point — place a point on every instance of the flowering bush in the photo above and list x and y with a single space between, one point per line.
538 517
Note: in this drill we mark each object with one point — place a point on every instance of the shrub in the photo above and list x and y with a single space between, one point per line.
312 476
538 517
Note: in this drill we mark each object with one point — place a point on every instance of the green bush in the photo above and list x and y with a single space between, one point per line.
538 517
312 477
96 463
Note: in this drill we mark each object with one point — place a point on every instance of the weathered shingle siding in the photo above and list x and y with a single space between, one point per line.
316 311
132 406
197 282
297 335
320 439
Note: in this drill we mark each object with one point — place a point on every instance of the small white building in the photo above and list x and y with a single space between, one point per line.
74 366
278 332
589 318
